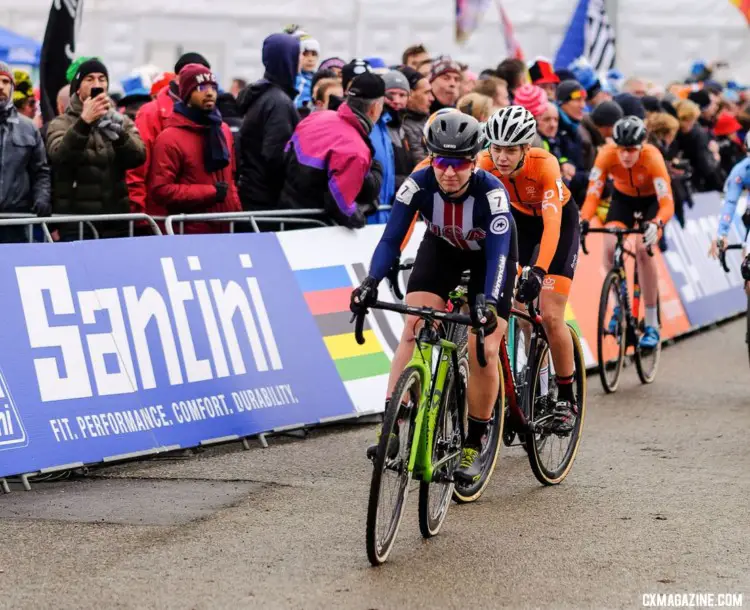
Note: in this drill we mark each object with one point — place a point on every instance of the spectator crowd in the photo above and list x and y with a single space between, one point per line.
332 135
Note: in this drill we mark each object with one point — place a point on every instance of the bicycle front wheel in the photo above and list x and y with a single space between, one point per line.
435 496
647 360
389 486
551 454
611 335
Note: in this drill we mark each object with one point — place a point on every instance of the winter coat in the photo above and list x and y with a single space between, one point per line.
150 121
89 168
571 147
591 141
693 145
270 119
383 147
178 180
414 130
328 166
24 172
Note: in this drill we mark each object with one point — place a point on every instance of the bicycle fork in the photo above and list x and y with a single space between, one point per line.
631 314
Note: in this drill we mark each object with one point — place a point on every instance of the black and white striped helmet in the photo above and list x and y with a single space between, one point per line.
629 131
511 126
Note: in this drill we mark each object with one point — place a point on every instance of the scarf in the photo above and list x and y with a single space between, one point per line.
6 110
567 120
215 149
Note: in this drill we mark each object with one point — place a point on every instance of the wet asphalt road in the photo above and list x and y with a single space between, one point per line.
657 502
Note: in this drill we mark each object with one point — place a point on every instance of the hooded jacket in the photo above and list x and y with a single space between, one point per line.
178 181
89 169
383 147
269 121
328 166
150 121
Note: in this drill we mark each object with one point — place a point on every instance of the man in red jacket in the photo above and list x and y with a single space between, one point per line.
150 121
193 161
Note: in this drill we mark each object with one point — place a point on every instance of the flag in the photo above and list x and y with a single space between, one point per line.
744 7
512 46
589 35
468 15
58 50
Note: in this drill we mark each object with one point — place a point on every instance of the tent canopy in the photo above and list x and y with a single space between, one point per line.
17 49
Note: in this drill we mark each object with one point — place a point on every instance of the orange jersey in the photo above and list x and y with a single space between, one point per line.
648 177
537 190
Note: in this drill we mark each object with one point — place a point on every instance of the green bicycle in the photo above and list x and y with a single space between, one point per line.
423 426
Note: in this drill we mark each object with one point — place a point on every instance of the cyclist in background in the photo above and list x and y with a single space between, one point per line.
737 182
548 235
641 184
469 226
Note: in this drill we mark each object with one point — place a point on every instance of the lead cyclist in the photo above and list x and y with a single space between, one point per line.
469 226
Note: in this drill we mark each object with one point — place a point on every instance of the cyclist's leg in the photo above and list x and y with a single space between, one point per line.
554 299
648 275
437 270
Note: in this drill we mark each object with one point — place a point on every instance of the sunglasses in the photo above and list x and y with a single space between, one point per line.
206 87
443 163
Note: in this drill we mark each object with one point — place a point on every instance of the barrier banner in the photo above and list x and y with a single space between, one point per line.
707 292
328 263
583 306
120 347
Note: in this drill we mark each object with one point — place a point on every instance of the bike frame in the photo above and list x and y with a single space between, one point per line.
432 386
518 411
633 312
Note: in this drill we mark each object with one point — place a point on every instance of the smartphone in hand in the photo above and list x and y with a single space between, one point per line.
96 91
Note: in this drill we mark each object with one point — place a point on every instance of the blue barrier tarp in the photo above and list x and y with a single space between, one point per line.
131 345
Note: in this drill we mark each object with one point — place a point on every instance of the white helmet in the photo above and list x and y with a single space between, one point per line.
511 126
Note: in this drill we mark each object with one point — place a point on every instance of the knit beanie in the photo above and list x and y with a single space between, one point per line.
90 66
567 90
531 97
607 114
190 58
395 80
23 87
191 77
631 105
5 70
442 65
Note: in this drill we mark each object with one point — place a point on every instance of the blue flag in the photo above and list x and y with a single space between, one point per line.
589 35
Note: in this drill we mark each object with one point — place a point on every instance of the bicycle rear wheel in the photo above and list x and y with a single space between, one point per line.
389 486
747 333
435 496
611 332
551 454
465 494
647 360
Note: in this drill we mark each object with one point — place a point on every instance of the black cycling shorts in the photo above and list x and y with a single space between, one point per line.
439 266
530 229
622 208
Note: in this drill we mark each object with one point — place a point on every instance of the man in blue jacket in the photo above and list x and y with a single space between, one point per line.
571 103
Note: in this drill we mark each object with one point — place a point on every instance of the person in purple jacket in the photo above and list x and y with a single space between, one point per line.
329 159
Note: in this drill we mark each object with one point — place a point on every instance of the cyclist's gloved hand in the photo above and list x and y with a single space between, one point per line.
222 188
530 284
485 317
364 295
650 234
584 226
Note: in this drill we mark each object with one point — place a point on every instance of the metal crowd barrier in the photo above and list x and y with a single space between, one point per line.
28 221
297 217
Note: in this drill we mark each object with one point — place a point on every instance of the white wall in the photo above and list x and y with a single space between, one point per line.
656 38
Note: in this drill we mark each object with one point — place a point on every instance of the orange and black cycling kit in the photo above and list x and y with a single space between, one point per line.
539 203
645 187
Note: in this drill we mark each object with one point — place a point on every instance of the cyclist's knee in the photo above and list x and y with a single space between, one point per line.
553 320
411 328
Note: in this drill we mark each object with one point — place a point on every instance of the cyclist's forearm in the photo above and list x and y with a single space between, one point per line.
726 215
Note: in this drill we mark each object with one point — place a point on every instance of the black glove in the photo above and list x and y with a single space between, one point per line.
584 227
356 220
376 167
745 269
221 191
530 286
364 295
489 314
42 210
